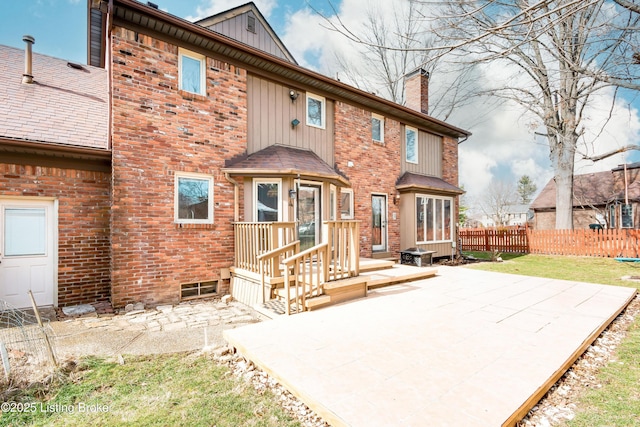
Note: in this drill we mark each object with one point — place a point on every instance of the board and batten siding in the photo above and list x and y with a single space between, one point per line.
236 28
270 112
429 155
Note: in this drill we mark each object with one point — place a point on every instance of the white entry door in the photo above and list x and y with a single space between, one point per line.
27 252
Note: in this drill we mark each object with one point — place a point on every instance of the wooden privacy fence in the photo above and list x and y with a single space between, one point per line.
610 243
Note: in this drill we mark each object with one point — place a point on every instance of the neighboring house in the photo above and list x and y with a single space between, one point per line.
54 180
607 199
208 133
511 215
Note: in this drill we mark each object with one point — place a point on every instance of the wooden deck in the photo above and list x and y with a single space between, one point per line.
377 273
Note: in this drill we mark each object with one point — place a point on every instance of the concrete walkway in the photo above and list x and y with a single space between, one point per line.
164 329
466 348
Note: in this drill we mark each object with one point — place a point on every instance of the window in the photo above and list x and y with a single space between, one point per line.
377 128
433 219
198 289
626 216
612 216
193 199
315 111
191 70
267 200
411 144
346 203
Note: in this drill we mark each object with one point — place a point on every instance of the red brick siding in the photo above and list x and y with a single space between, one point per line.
156 132
375 168
83 225
450 172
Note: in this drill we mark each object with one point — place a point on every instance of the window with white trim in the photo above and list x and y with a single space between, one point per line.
346 203
377 128
193 198
411 144
267 199
191 72
316 111
434 219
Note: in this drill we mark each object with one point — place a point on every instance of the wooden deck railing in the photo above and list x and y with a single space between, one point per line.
270 263
307 271
344 243
256 238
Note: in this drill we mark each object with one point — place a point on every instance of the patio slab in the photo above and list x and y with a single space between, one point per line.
466 347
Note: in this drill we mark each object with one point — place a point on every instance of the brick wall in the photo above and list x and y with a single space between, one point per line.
83 225
376 168
158 131
450 172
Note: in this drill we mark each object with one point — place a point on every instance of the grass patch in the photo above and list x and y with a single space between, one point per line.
176 390
617 402
582 269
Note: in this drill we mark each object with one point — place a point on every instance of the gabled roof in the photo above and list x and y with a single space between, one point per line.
232 23
65 105
593 189
283 160
412 181
133 14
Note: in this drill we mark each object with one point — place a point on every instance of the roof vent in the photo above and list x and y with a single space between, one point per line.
27 76
153 5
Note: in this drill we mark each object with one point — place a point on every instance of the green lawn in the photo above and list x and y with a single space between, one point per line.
169 390
617 403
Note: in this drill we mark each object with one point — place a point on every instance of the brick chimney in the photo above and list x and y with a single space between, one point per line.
416 90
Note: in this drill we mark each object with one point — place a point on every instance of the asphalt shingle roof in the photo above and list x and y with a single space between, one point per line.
64 105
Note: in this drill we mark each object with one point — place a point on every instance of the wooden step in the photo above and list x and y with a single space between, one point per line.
317 302
346 289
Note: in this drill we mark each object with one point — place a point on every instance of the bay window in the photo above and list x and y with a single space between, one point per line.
433 218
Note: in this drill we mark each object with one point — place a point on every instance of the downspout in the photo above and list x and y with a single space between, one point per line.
109 66
236 196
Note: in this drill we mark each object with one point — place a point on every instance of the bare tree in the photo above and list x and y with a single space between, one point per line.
560 53
497 201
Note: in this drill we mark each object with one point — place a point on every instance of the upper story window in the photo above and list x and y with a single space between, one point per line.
316 111
193 198
346 203
191 72
377 128
411 144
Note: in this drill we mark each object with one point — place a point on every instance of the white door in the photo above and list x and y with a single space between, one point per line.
27 255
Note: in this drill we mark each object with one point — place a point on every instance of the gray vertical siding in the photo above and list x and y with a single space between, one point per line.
429 155
270 112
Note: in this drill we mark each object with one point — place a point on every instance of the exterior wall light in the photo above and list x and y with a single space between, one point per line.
294 123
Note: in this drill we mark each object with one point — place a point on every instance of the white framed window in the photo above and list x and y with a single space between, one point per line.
411 144
434 219
267 197
192 72
377 128
346 203
193 198
316 111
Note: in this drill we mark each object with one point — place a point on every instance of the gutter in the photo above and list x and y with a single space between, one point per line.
236 196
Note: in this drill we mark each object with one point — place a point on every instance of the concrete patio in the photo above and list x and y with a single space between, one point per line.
465 348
